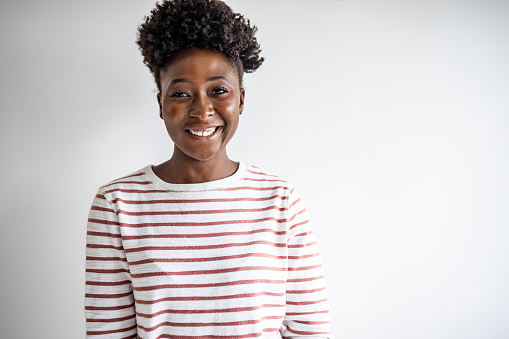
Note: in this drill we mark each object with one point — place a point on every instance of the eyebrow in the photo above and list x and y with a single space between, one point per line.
219 77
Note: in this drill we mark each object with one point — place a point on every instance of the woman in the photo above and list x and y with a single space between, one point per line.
201 246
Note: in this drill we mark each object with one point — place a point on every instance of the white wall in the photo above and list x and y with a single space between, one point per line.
390 116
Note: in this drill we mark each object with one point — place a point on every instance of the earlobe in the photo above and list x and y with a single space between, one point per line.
160 106
241 104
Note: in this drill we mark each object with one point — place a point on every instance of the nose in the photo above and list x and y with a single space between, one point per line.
201 107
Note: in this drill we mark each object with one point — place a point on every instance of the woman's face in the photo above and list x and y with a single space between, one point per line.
200 102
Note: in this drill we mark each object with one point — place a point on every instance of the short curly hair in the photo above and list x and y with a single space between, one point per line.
176 25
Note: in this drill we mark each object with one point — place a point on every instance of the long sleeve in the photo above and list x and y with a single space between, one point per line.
307 310
109 300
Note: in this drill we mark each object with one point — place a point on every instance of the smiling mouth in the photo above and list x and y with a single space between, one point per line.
204 132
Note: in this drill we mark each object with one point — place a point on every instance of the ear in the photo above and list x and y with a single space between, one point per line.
160 105
241 104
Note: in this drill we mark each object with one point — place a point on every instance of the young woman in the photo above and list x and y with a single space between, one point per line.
201 246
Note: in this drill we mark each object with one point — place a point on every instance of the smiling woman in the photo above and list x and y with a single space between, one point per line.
200 103
202 246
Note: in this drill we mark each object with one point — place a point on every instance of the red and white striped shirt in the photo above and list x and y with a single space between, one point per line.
232 258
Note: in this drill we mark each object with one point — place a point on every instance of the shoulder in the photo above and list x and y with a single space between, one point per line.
266 180
134 179
254 173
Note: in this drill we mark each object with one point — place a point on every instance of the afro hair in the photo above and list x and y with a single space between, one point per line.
176 25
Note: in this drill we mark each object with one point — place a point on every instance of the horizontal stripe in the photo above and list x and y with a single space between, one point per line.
196 201
302 245
261 173
304 268
228 257
297 257
267 180
210 223
107 283
97 246
200 272
252 335
107 296
131 190
303 234
200 298
113 320
208 285
104 222
213 324
120 270
305 332
299 224
129 182
253 188
203 247
306 313
311 322
305 279
103 234
295 202
108 308
223 310
121 330
238 210
292 218
106 259
200 235
305 302
305 291
103 209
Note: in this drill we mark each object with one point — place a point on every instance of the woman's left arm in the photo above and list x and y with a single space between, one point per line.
307 308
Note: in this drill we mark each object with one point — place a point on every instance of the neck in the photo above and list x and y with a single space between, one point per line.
181 169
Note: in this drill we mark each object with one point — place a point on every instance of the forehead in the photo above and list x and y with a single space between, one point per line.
198 64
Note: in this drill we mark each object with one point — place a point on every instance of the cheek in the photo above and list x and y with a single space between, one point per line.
233 123
234 105
232 109
171 124
172 116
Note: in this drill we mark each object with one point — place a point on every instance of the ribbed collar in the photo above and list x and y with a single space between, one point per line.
205 186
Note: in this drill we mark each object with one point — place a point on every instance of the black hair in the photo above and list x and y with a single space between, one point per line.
176 25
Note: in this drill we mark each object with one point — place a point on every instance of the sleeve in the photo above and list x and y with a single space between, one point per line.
109 300
307 309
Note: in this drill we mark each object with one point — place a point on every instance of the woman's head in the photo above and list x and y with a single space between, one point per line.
178 25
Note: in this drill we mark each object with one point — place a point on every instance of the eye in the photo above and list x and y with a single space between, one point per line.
220 90
179 94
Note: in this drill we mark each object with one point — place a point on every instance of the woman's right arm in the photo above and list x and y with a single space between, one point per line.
109 300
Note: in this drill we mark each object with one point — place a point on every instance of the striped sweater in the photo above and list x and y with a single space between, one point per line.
231 258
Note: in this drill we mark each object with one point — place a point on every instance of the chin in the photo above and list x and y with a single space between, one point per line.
203 156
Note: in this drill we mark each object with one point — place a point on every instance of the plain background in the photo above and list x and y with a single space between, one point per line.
390 116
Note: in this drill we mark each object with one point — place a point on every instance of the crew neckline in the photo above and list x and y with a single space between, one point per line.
204 186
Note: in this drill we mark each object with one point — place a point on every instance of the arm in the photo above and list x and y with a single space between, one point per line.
307 310
109 300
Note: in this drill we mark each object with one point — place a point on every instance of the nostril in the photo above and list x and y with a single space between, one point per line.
201 113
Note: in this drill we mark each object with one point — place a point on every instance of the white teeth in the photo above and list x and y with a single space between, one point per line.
204 132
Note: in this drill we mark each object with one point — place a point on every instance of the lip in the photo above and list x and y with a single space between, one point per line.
200 127
203 128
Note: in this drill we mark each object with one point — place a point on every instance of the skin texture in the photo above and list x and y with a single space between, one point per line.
199 89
